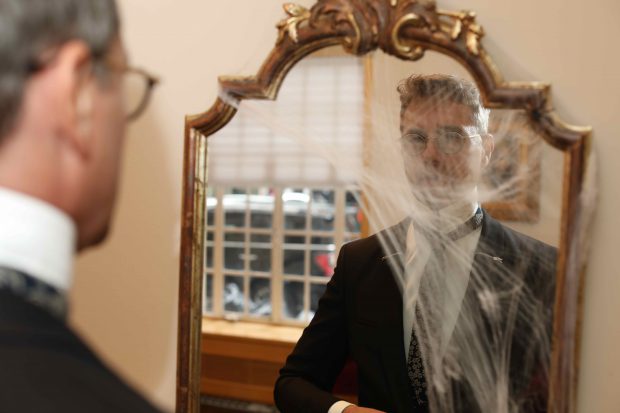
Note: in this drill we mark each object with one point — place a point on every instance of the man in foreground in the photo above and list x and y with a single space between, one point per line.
448 311
62 125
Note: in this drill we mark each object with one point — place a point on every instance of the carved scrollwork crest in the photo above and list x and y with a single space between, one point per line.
297 14
404 28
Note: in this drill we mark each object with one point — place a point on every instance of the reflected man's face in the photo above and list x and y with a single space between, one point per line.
444 151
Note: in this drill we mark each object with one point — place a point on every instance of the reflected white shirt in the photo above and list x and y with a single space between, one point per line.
457 264
37 239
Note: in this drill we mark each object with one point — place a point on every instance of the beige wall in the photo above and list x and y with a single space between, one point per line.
125 293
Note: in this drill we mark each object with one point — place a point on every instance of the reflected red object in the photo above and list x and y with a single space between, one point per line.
346 383
360 216
322 261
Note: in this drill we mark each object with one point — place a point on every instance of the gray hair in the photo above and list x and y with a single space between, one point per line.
445 88
28 28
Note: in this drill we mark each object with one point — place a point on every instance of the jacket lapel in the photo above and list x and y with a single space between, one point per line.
389 309
394 360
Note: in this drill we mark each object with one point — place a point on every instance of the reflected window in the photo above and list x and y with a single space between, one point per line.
269 252
277 212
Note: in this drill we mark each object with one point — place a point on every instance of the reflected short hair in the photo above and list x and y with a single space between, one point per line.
446 88
28 28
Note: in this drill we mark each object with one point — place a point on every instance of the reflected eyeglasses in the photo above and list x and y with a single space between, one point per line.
449 142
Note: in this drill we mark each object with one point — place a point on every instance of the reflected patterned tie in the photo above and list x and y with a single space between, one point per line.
415 366
415 370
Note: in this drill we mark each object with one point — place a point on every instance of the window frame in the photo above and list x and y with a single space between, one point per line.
277 276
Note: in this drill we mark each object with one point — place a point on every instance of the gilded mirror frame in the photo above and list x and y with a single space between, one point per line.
404 29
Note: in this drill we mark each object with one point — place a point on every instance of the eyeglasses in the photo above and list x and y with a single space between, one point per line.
138 86
448 141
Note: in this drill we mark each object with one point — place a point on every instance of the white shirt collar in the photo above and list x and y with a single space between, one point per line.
447 218
444 220
36 238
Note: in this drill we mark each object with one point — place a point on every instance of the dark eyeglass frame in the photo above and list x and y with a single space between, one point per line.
150 80
417 142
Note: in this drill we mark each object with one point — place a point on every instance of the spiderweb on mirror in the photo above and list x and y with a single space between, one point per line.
465 204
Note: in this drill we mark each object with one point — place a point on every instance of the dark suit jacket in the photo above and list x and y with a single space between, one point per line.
46 368
360 317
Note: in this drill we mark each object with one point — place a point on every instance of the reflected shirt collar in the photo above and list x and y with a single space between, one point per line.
449 217
37 239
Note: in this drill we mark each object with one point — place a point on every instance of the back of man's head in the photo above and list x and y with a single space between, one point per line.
62 117
30 29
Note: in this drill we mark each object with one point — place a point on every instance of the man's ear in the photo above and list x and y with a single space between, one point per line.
73 70
488 144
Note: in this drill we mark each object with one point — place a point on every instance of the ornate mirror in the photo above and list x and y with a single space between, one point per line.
332 141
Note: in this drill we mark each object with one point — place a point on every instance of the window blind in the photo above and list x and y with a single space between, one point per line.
311 135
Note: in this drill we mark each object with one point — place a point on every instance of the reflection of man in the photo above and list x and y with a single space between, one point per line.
463 307
61 130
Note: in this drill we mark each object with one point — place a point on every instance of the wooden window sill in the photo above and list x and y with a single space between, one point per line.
247 340
241 359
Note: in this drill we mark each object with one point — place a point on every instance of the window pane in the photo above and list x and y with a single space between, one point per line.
294 262
260 240
323 210
211 204
322 263
233 293
209 293
293 300
233 258
353 213
295 221
295 205
210 216
316 292
351 198
323 196
322 257
233 251
261 208
260 252
326 243
234 218
234 204
289 240
260 259
209 258
260 297
261 219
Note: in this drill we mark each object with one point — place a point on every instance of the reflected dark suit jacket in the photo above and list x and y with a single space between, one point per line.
360 317
46 368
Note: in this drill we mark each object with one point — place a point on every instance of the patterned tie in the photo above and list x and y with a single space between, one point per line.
34 291
415 366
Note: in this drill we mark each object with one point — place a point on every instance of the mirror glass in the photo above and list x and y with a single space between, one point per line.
465 202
